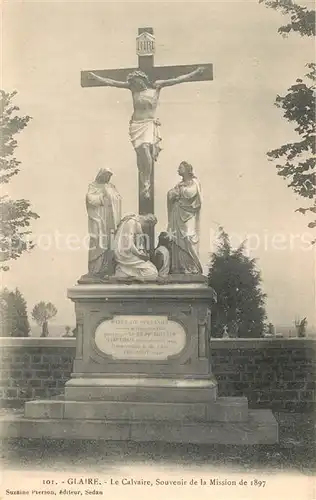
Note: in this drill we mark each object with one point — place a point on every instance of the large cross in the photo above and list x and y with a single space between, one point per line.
146 64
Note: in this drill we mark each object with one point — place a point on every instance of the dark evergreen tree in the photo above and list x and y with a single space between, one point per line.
14 318
21 327
237 282
4 313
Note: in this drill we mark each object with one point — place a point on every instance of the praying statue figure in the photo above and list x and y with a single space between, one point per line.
103 203
162 254
184 205
144 127
131 249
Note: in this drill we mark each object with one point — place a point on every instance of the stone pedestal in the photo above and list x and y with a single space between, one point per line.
142 330
142 372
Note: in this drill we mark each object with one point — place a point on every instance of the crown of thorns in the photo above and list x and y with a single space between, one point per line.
137 74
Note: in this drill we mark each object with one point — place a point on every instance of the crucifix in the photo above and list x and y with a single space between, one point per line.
145 83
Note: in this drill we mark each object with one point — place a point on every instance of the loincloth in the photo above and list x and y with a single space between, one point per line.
145 131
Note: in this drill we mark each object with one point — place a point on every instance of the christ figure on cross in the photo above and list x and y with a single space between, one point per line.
144 126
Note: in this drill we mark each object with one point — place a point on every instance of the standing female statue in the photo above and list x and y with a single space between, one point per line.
184 205
144 127
103 203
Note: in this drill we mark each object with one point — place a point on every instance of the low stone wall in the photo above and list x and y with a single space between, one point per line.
271 373
33 368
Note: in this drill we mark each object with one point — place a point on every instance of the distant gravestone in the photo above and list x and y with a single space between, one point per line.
225 332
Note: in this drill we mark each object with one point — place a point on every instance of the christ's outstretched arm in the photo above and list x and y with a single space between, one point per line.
109 82
159 84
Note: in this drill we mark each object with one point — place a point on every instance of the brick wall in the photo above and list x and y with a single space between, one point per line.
277 374
33 368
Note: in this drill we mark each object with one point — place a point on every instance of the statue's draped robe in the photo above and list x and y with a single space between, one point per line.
103 204
128 248
184 205
162 261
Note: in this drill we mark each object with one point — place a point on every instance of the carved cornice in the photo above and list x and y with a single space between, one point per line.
115 292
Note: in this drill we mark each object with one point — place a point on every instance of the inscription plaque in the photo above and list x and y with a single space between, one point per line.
140 337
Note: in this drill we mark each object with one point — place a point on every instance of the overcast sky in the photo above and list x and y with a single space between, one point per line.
224 128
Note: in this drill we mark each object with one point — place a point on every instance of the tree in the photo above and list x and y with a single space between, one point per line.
296 161
302 19
3 315
15 215
237 282
301 325
42 313
13 314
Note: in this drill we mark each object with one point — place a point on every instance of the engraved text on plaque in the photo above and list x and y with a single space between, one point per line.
140 337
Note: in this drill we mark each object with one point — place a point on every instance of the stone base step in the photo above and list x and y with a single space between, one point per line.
222 410
260 428
147 390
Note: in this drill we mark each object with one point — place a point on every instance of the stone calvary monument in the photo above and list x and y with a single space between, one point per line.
145 84
142 370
